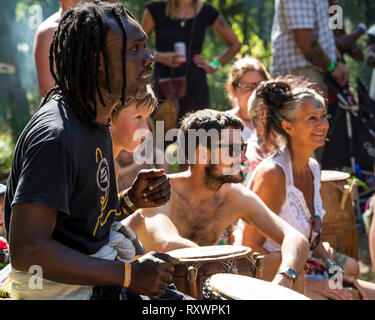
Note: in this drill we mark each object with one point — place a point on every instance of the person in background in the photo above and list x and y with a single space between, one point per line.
244 77
43 37
295 124
346 43
173 21
303 44
210 196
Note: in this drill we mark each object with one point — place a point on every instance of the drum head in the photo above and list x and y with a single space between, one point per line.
237 287
331 175
209 253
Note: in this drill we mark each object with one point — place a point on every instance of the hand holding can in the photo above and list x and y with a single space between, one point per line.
180 48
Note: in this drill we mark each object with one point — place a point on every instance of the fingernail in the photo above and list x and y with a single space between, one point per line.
145 195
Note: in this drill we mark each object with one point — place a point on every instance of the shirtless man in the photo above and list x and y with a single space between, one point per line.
43 37
204 200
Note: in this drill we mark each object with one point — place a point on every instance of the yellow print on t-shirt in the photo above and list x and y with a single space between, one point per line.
103 182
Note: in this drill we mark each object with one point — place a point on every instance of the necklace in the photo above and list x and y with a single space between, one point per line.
183 20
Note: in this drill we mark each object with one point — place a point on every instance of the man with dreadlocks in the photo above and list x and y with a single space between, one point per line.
61 199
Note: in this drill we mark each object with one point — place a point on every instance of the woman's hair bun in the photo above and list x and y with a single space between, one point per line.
274 93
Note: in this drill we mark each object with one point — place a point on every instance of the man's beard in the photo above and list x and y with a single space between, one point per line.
214 181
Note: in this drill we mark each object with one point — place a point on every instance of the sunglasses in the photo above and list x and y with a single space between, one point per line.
233 147
248 87
317 227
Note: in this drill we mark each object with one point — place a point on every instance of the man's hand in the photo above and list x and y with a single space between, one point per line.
150 189
283 280
354 282
152 273
340 74
322 287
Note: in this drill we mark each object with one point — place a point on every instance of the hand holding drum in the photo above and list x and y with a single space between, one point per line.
152 273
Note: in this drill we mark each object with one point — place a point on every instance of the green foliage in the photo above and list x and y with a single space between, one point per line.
6 152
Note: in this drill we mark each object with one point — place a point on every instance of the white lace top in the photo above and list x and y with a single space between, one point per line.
295 210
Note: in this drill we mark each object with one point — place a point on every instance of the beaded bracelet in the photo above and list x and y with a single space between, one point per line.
126 206
129 204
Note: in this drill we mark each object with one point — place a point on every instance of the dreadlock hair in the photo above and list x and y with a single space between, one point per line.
74 56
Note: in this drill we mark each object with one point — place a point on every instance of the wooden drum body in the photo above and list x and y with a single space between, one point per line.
198 264
237 287
339 228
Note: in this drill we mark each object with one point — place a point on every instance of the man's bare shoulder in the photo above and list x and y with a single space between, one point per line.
179 181
48 26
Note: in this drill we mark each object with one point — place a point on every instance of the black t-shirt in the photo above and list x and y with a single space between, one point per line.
168 31
63 164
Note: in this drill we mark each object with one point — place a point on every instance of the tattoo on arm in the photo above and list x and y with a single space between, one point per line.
317 56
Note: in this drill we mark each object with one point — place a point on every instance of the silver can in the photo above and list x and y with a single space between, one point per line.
180 48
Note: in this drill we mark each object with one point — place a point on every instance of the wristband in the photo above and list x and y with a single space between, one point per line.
129 204
127 274
330 263
122 206
126 205
216 64
331 67
363 31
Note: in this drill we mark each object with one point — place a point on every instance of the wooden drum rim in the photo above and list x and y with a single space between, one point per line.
218 258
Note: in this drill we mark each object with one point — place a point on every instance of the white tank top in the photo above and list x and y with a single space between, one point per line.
294 210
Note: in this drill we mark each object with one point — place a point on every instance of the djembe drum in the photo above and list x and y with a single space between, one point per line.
339 228
237 287
198 264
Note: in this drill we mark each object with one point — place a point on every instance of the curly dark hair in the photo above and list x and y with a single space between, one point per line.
74 55
206 120
275 101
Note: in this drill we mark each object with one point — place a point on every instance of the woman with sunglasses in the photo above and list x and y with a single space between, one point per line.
245 76
294 124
